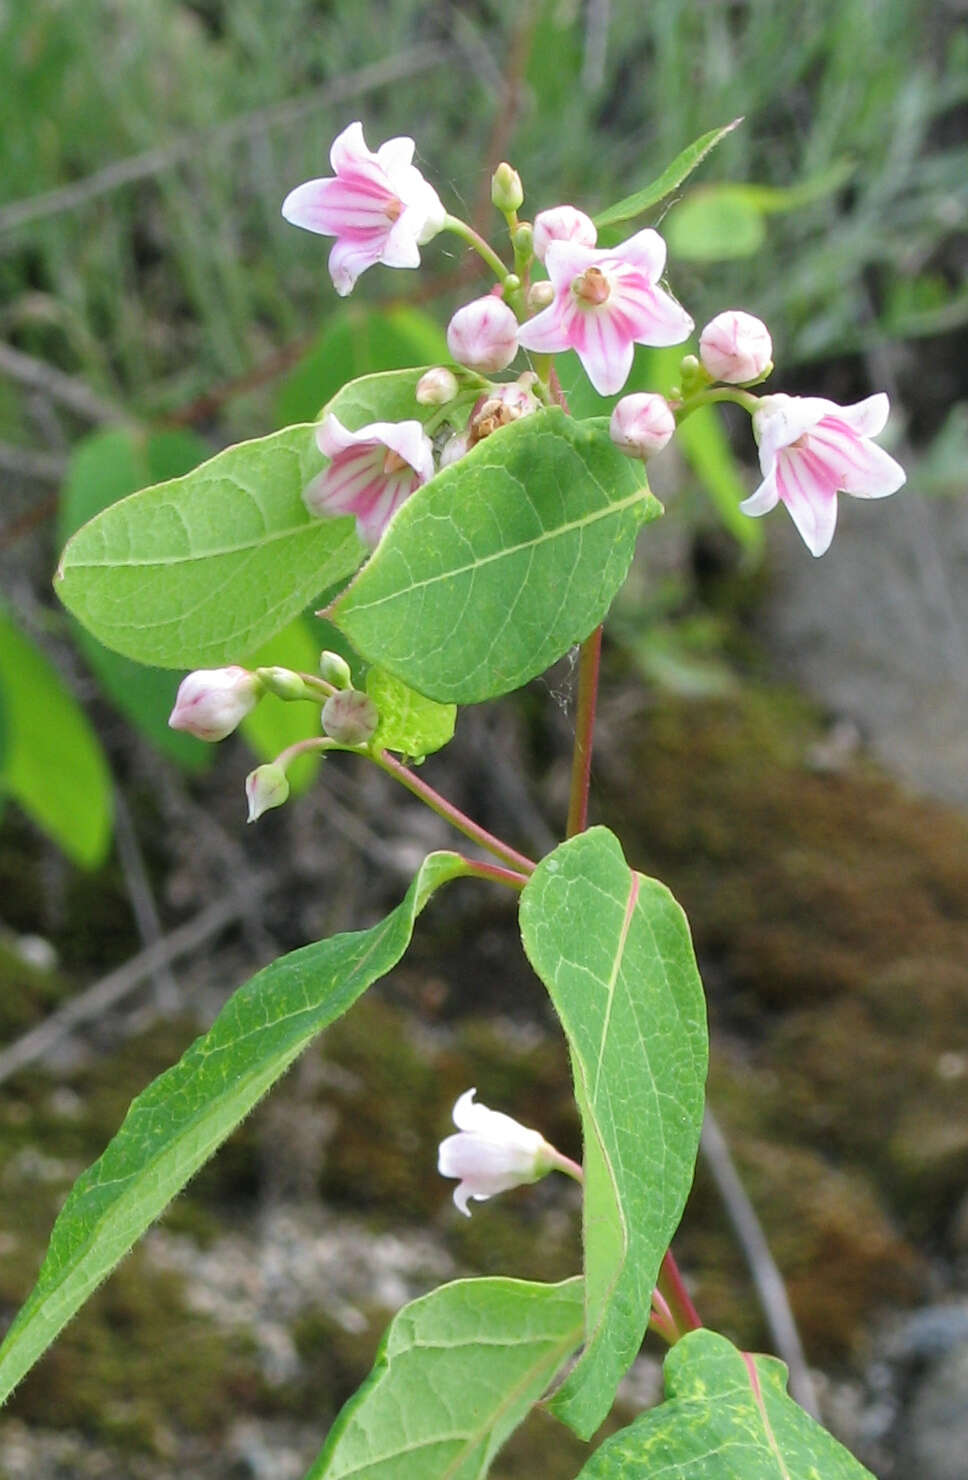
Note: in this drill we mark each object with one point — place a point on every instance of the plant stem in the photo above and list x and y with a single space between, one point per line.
661 1319
475 869
481 247
581 760
515 860
673 1289
745 399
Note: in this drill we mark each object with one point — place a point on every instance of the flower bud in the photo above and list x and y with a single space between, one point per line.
436 387
507 192
284 683
540 295
642 425
522 240
562 224
491 1153
483 335
334 668
266 787
350 717
211 702
736 347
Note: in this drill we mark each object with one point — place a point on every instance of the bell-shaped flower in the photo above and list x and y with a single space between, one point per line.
371 471
605 303
266 787
562 224
491 1153
736 348
811 450
377 205
483 335
212 702
642 424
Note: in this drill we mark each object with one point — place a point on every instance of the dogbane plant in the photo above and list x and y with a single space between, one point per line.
467 531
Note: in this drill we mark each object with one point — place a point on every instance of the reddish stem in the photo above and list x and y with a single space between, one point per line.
673 1288
476 869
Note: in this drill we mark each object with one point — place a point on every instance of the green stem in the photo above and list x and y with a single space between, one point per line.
419 788
745 399
581 759
672 1287
661 1320
481 247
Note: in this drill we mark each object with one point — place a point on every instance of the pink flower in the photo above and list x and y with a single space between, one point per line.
483 335
562 224
811 449
605 303
491 1154
735 347
379 207
212 702
371 472
642 424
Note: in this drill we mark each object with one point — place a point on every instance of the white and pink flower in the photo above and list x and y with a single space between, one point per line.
605 303
811 450
492 1153
642 424
735 347
371 472
377 205
212 702
483 335
562 224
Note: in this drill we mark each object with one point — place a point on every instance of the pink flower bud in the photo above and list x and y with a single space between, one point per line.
736 347
642 425
350 717
266 787
483 335
436 387
562 224
211 702
491 1153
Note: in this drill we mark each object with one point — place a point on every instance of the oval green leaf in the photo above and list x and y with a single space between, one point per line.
193 572
409 723
494 568
456 1373
728 1416
715 224
614 950
184 1116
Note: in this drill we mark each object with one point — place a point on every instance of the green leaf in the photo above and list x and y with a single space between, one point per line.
614 951
179 1121
388 397
680 169
275 723
718 222
358 340
191 573
456 1372
494 568
727 1417
105 467
53 764
409 723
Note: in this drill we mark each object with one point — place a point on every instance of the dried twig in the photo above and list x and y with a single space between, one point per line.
68 391
103 994
277 115
762 1266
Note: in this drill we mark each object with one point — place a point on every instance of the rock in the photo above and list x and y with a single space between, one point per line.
934 1430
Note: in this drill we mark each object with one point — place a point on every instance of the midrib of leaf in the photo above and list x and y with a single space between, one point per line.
613 978
754 1378
257 542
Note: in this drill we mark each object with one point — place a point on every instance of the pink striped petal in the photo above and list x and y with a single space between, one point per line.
766 497
810 499
856 465
867 418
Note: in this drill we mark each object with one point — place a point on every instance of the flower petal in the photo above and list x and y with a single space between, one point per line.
867 418
766 497
810 498
780 420
856 465
646 249
606 353
396 155
547 332
349 149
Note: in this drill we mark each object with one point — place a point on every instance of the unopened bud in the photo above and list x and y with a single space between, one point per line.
736 347
642 425
436 387
523 240
212 702
284 683
483 335
350 717
540 295
334 668
507 192
562 224
266 787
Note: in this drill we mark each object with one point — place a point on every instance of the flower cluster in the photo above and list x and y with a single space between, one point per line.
599 302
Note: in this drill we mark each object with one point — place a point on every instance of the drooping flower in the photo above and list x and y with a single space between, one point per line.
735 347
605 303
811 450
266 787
378 206
562 224
492 1153
483 335
212 702
371 471
642 424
